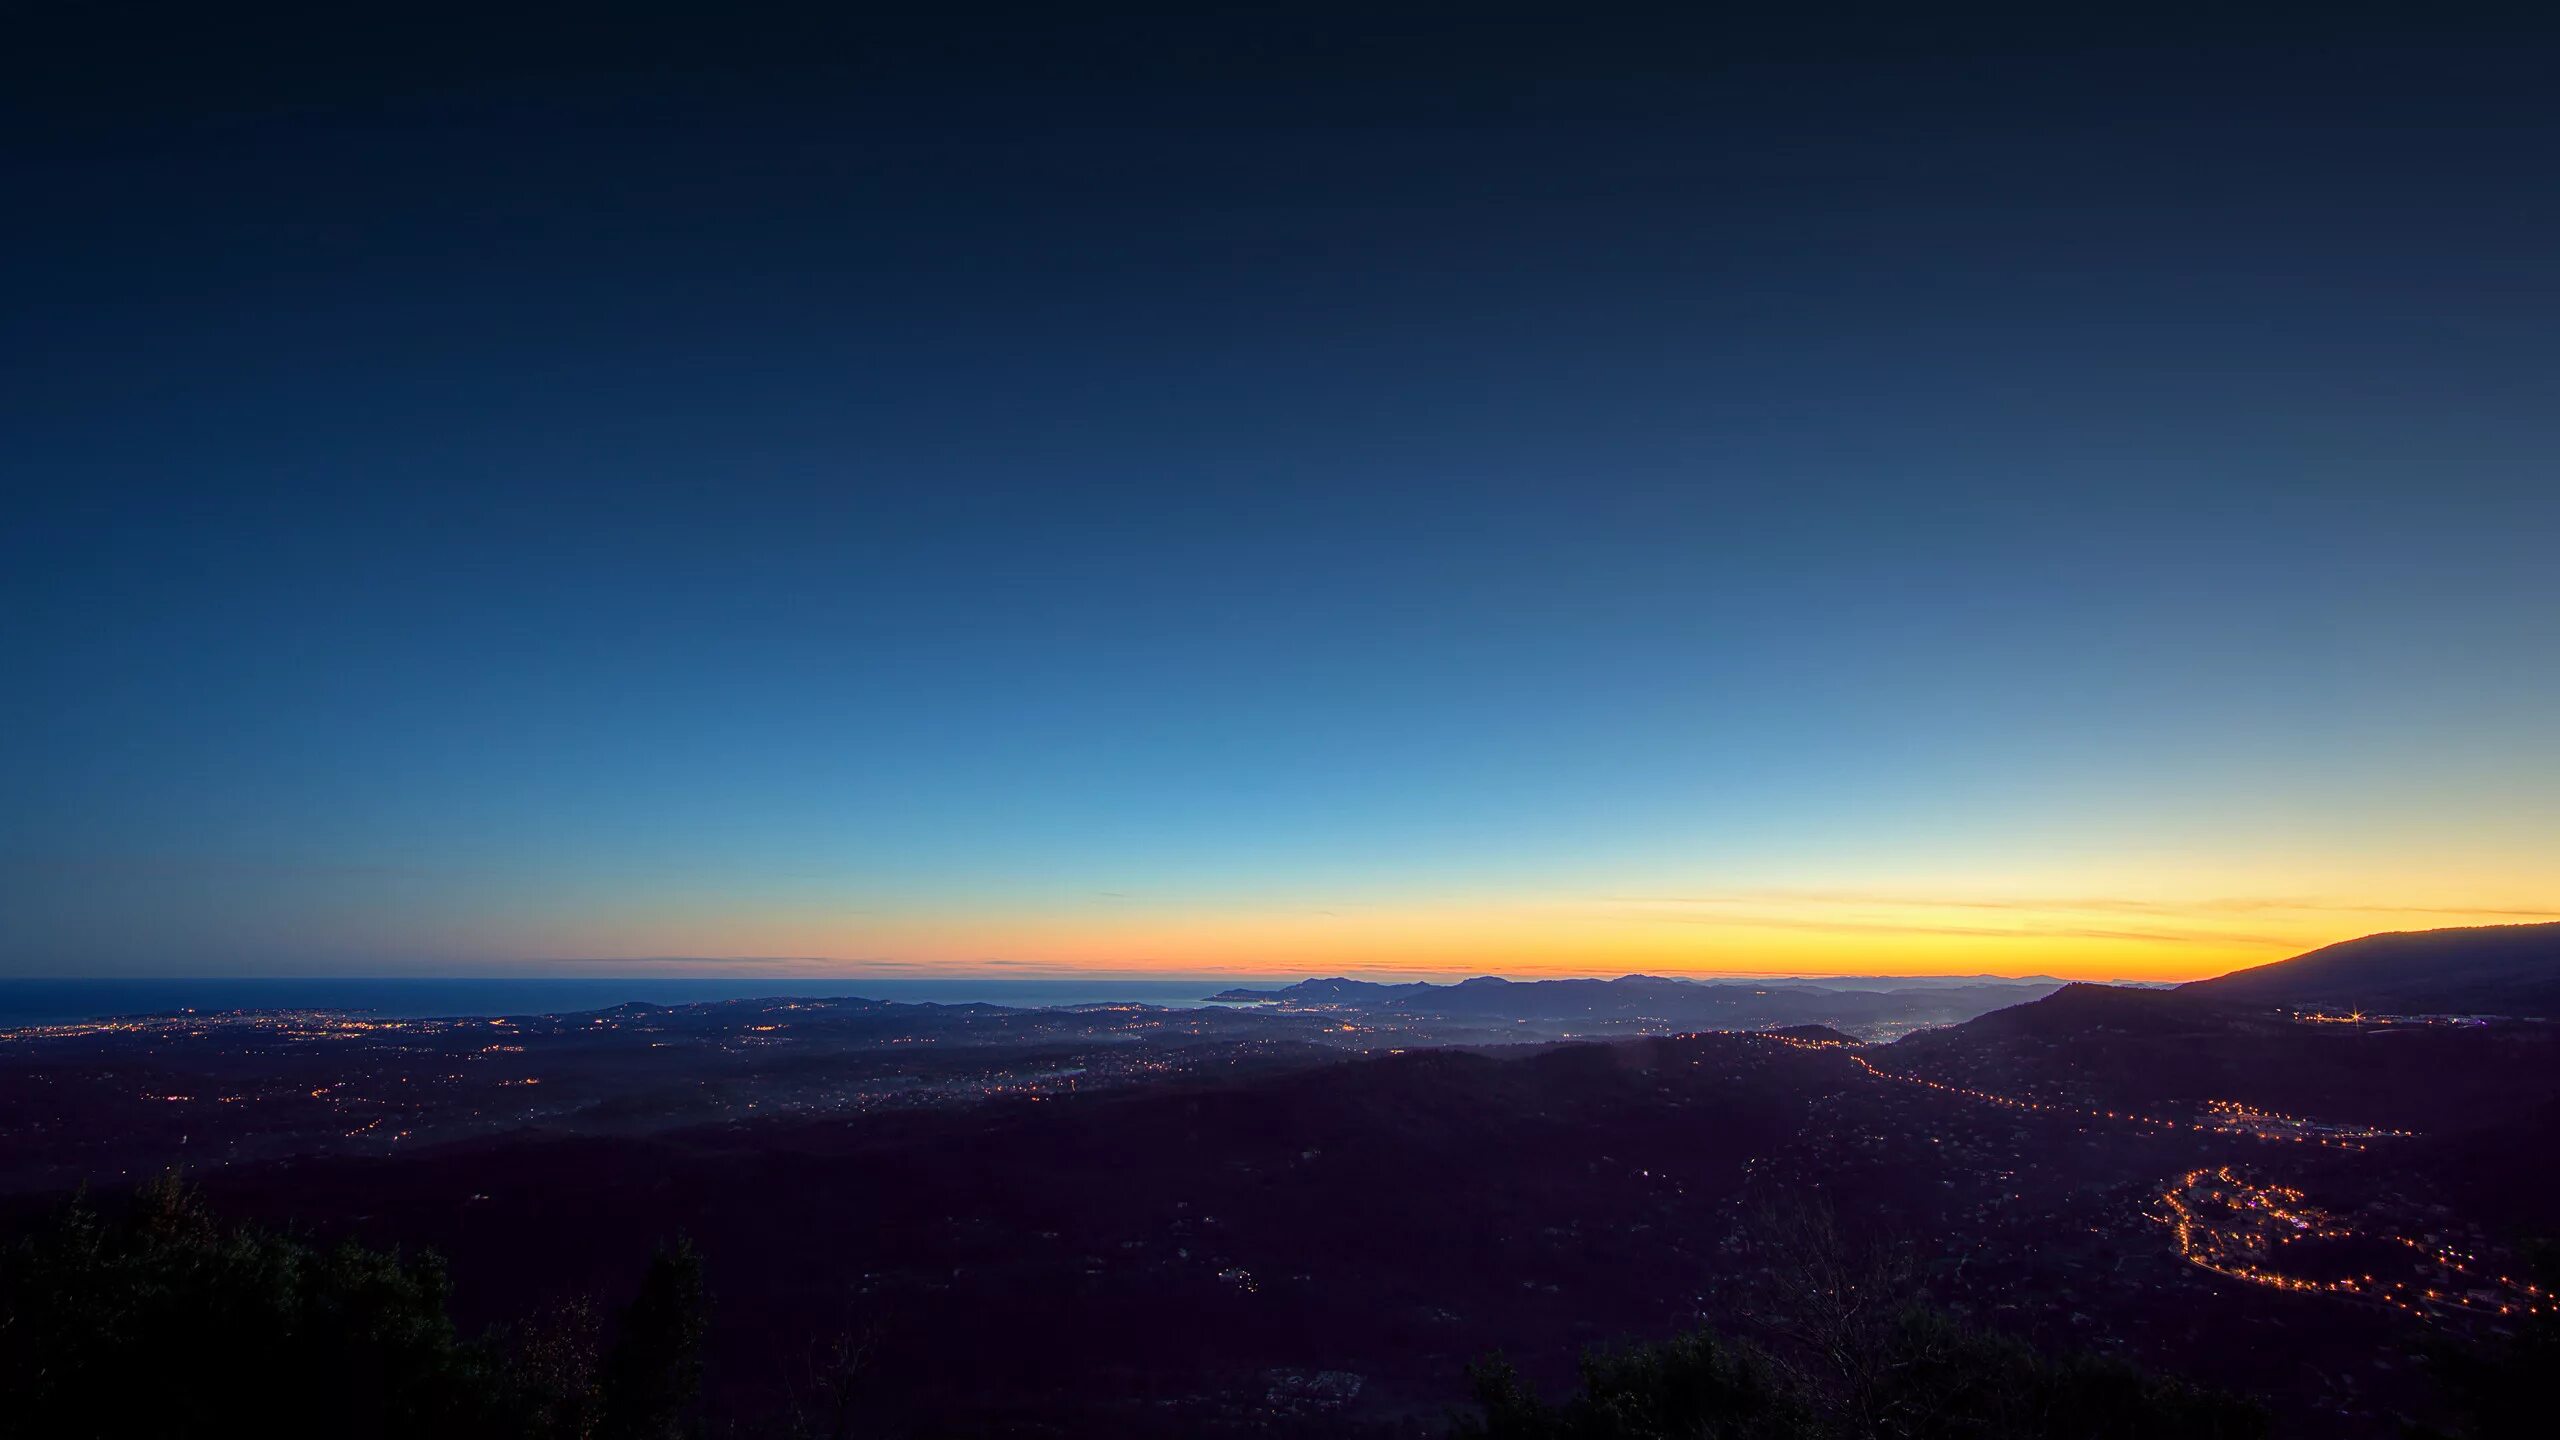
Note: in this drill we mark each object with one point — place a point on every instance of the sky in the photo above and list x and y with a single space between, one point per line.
1286 490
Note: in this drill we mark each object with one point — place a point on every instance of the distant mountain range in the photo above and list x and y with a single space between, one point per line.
1657 1002
2486 970
2490 970
1339 990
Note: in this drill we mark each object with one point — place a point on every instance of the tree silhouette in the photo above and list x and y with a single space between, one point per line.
161 1322
654 1372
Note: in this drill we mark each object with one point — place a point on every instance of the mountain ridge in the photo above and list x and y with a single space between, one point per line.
2482 969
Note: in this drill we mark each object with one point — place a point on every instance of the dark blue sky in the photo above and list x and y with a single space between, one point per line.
1099 490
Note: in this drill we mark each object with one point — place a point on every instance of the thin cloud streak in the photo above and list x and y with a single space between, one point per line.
1141 968
1983 932
2099 905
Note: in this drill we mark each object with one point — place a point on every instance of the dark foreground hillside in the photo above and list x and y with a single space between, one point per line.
156 1317
1330 1249
1170 1257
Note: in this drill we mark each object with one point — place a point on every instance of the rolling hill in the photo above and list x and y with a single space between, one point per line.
2487 970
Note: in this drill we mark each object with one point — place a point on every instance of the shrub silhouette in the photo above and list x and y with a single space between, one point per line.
1850 1353
1696 1387
1942 1382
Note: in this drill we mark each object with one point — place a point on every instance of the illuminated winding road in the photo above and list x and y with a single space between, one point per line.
2235 1227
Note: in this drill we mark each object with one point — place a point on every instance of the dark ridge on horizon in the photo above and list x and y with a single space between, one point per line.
2483 969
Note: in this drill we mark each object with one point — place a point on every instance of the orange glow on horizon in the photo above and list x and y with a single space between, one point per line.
1741 934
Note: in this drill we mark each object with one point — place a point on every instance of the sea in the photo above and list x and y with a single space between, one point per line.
55 1002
